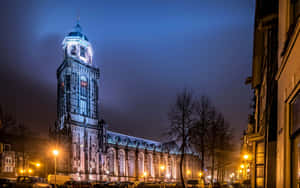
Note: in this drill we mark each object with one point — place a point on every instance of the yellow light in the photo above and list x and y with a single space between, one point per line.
29 171
55 152
37 164
248 170
200 174
162 167
145 174
22 171
188 172
242 166
246 157
241 171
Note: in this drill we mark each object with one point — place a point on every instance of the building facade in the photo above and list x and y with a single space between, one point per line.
89 151
288 77
260 140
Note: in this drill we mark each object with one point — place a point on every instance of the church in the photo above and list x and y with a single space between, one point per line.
88 150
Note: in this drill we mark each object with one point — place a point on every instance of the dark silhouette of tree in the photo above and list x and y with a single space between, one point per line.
7 122
199 137
181 120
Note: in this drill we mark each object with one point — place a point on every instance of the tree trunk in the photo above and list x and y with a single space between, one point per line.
212 166
202 154
181 173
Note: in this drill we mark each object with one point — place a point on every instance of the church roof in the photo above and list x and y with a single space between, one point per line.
122 139
77 32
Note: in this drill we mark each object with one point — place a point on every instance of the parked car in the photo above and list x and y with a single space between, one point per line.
30 182
6 183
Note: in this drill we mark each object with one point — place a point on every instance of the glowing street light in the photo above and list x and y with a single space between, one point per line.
242 166
22 171
200 174
30 171
37 164
55 153
145 175
188 172
168 175
161 168
246 156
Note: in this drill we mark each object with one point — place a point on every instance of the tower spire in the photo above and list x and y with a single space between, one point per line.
78 17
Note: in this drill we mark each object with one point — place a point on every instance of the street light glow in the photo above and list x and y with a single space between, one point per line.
37 164
200 174
242 166
29 171
188 172
246 156
168 175
162 167
145 174
55 152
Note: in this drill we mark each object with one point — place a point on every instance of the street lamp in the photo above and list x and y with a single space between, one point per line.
188 172
162 168
145 175
246 156
55 153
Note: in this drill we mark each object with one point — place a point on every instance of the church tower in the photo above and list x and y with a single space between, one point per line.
78 123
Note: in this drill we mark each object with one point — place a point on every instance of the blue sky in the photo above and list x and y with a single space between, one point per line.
147 51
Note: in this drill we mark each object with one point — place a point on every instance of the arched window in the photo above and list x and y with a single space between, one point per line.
141 164
111 162
150 165
83 86
122 162
131 164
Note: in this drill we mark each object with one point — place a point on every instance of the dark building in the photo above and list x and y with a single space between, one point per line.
261 135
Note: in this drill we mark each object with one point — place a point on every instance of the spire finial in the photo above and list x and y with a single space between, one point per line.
78 27
78 16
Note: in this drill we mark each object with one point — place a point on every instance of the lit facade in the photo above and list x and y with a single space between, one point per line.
288 77
88 150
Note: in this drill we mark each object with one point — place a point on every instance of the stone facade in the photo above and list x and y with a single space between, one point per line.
88 150
288 77
261 136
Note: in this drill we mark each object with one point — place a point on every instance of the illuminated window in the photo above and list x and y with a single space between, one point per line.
83 107
83 86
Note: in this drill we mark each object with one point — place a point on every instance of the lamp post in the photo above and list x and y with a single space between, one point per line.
162 168
145 175
55 153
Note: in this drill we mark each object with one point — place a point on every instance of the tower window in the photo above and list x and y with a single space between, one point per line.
82 51
83 107
83 86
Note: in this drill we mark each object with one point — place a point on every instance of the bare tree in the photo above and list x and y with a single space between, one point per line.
181 119
7 121
199 139
219 137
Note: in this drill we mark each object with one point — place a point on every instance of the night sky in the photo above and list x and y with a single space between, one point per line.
147 51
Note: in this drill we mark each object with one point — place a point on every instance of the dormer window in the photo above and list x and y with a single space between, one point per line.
82 51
